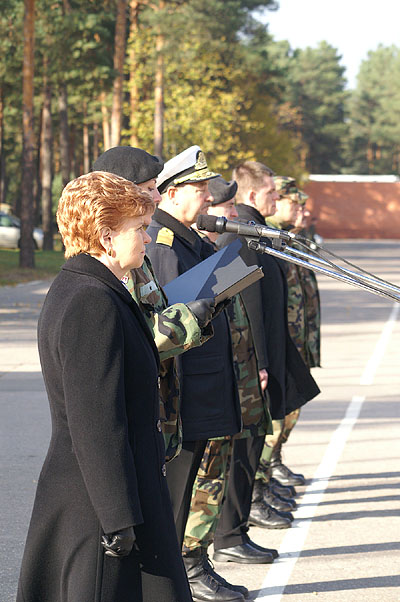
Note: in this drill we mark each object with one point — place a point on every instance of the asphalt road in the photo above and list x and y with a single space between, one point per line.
344 544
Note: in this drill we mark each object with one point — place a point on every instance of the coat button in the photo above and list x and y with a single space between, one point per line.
159 426
164 470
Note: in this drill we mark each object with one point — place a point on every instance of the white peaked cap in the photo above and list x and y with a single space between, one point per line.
189 166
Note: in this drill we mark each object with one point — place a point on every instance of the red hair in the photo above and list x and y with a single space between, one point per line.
94 201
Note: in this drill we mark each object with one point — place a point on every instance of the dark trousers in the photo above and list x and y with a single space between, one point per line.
232 526
181 474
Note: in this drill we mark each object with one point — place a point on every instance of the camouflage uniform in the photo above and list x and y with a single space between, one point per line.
304 328
270 442
304 320
212 478
304 315
175 329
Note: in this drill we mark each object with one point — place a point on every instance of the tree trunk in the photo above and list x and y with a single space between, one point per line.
26 256
72 156
159 94
133 88
65 161
119 58
86 152
47 165
64 134
105 122
2 157
37 183
95 141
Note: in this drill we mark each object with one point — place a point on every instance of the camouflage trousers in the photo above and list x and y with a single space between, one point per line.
270 442
208 495
289 424
282 430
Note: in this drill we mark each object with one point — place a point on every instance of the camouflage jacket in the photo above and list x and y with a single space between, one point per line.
313 316
254 404
304 315
175 329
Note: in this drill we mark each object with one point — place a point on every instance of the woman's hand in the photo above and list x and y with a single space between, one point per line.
120 543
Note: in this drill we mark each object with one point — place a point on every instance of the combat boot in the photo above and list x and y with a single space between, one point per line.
263 492
209 567
263 515
285 490
281 472
204 586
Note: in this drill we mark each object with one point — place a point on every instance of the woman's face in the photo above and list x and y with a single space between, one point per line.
128 243
150 186
227 209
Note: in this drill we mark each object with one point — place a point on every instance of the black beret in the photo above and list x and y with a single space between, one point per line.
131 163
222 190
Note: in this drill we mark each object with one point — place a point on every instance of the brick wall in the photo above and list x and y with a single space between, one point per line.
355 209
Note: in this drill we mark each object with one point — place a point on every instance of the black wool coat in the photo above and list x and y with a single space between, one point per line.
209 399
290 383
104 469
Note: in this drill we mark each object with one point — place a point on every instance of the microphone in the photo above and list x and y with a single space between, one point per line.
211 223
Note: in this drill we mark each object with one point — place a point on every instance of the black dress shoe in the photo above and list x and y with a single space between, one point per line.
271 551
262 492
262 515
204 587
243 554
285 490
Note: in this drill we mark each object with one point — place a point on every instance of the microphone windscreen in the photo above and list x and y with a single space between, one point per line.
207 222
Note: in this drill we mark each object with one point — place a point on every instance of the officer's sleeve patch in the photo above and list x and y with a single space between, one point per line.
165 236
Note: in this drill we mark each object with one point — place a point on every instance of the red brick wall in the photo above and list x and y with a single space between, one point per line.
355 209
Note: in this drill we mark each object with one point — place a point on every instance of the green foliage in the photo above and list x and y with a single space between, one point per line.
374 142
228 86
214 95
315 87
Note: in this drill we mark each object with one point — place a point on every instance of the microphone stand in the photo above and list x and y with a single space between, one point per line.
263 247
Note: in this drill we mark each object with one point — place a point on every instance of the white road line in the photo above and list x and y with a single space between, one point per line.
279 573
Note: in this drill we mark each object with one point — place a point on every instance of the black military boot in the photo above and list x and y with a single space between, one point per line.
262 515
281 472
285 490
209 567
262 492
204 586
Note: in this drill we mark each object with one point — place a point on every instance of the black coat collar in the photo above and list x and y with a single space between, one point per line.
90 266
250 213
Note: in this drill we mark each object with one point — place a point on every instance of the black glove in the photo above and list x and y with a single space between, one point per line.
221 306
120 543
203 309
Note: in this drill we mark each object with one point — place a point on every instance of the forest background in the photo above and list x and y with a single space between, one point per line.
80 76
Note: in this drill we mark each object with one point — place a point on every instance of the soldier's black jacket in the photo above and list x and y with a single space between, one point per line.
290 383
209 398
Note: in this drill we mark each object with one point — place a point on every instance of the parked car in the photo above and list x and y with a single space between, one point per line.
10 232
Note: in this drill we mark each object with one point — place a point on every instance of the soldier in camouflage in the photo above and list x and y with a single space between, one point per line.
303 322
175 328
211 482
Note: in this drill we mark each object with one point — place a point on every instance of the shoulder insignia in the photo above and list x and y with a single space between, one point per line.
165 236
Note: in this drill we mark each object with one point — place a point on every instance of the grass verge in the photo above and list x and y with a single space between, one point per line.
47 265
